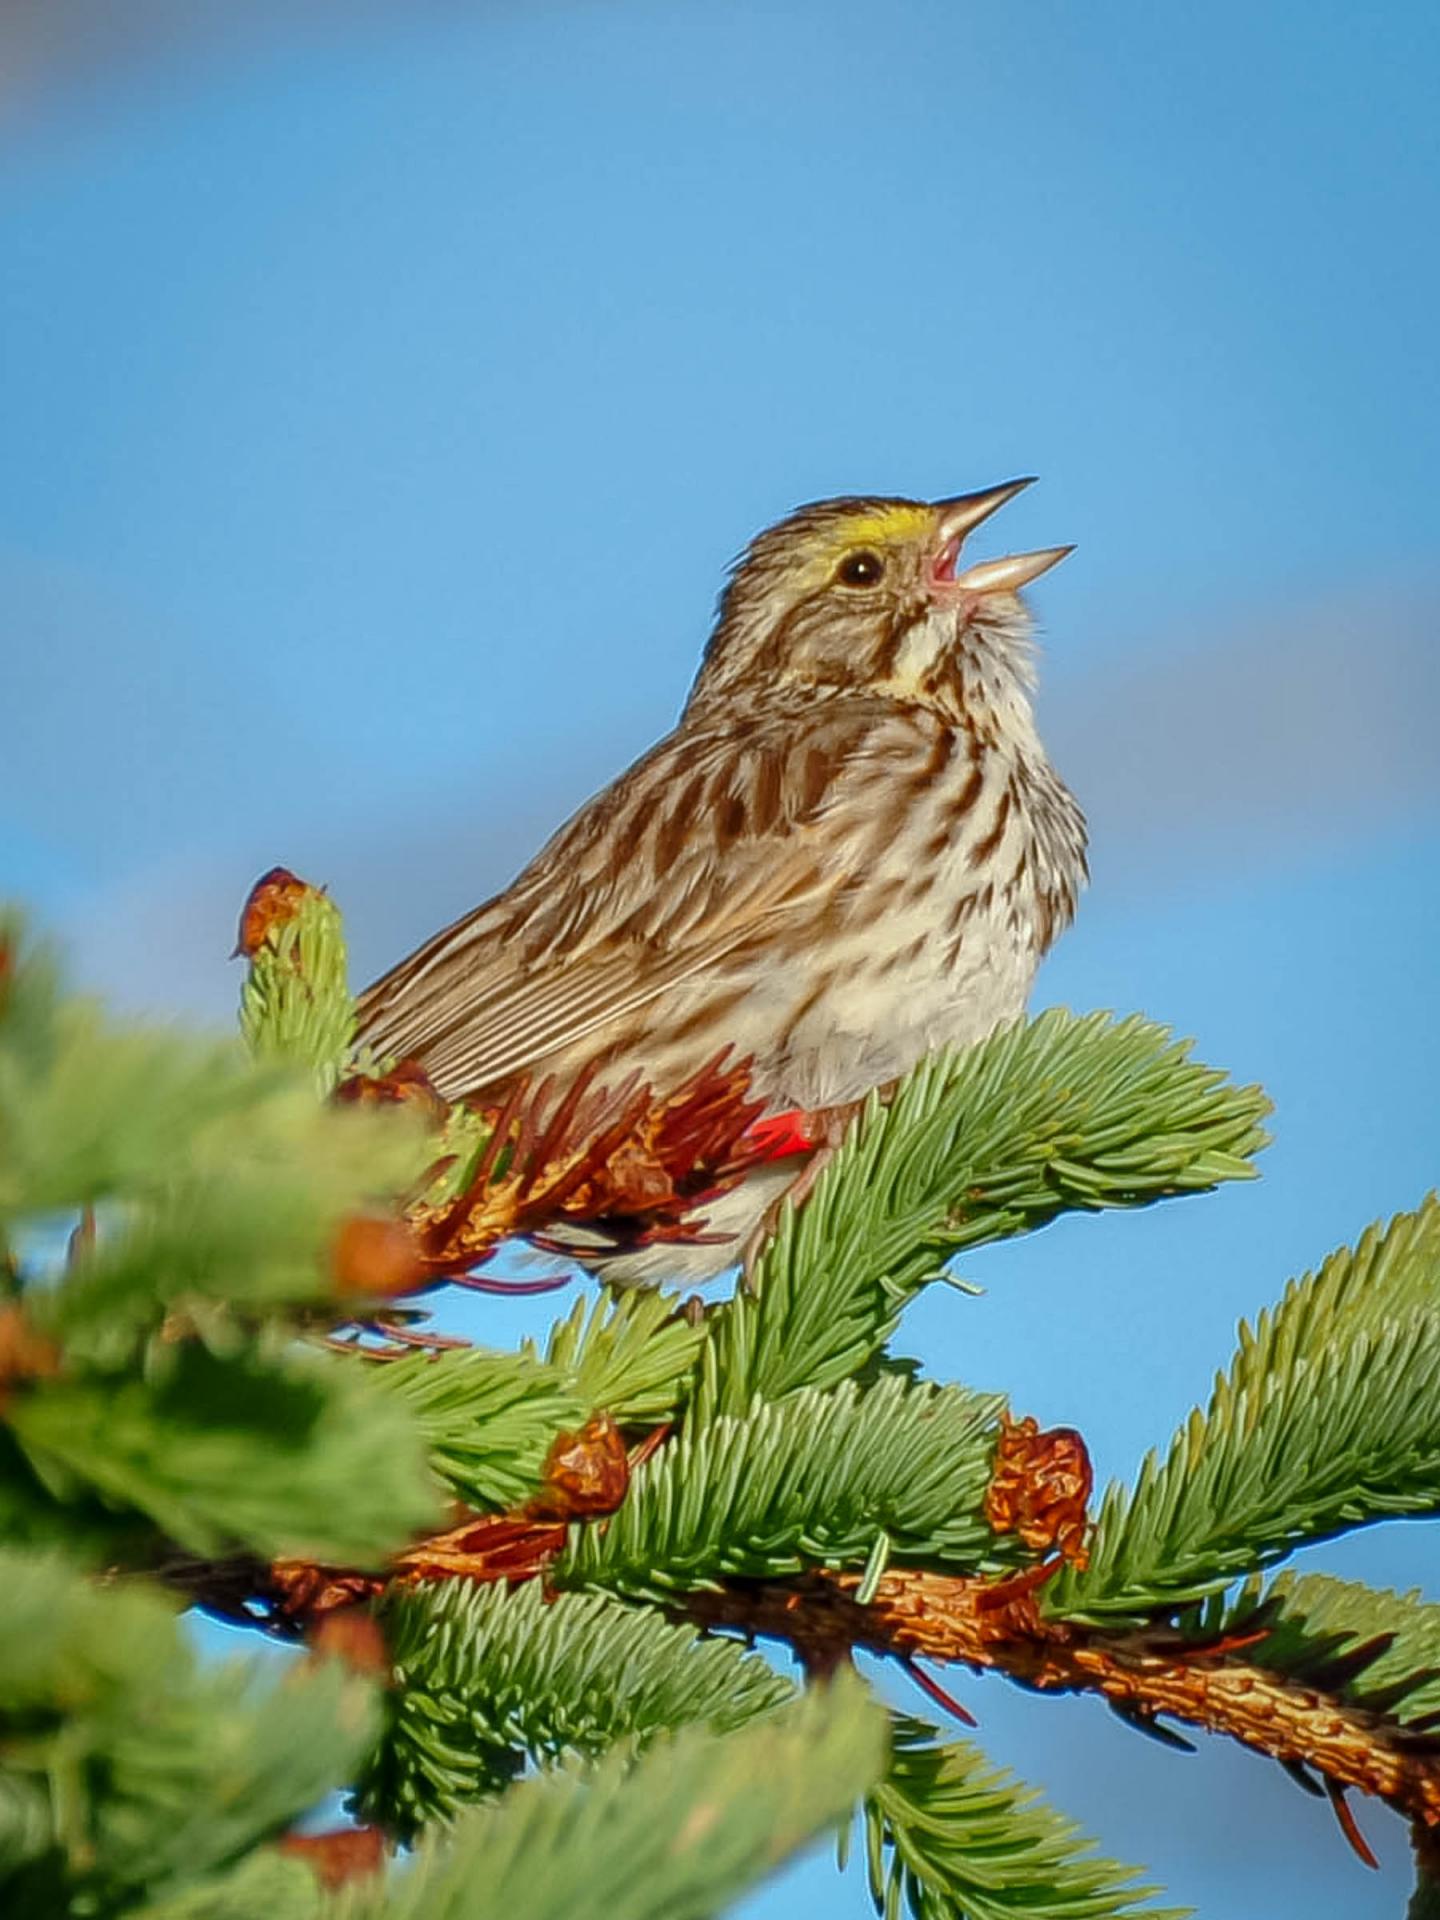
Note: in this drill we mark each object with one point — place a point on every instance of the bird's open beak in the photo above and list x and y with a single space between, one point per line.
960 517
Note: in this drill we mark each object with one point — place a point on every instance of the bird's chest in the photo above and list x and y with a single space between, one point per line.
937 947
887 1004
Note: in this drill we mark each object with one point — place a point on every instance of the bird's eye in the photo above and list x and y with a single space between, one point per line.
860 569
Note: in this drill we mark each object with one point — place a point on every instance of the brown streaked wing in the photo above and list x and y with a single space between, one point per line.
705 844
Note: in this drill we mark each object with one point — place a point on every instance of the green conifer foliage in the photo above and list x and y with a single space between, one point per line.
551 1707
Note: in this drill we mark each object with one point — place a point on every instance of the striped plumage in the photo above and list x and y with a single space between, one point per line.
851 850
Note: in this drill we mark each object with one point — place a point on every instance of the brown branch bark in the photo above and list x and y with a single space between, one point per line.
999 1627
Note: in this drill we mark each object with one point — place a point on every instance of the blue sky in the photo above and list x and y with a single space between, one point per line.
384 398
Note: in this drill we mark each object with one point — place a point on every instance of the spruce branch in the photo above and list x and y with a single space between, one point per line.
150 1388
809 1481
233 1453
1328 1418
791 1480
672 1835
264 1883
486 1677
137 1770
222 1187
1142 1673
1371 1647
91 1111
956 1838
489 1419
630 1354
1049 1115
247 1219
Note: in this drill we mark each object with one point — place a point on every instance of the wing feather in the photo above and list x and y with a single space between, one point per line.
655 880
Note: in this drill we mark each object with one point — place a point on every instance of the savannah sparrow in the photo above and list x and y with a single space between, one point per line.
851 850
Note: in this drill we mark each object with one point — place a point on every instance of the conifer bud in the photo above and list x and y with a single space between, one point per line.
275 899
374 1256
1040 1487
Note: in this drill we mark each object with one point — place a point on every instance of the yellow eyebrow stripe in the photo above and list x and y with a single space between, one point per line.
889 524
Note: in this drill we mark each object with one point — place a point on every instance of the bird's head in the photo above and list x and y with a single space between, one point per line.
873 593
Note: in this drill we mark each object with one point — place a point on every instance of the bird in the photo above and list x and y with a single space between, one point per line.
851 851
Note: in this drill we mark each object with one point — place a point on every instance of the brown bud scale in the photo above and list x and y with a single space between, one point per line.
275 899
1040 1487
